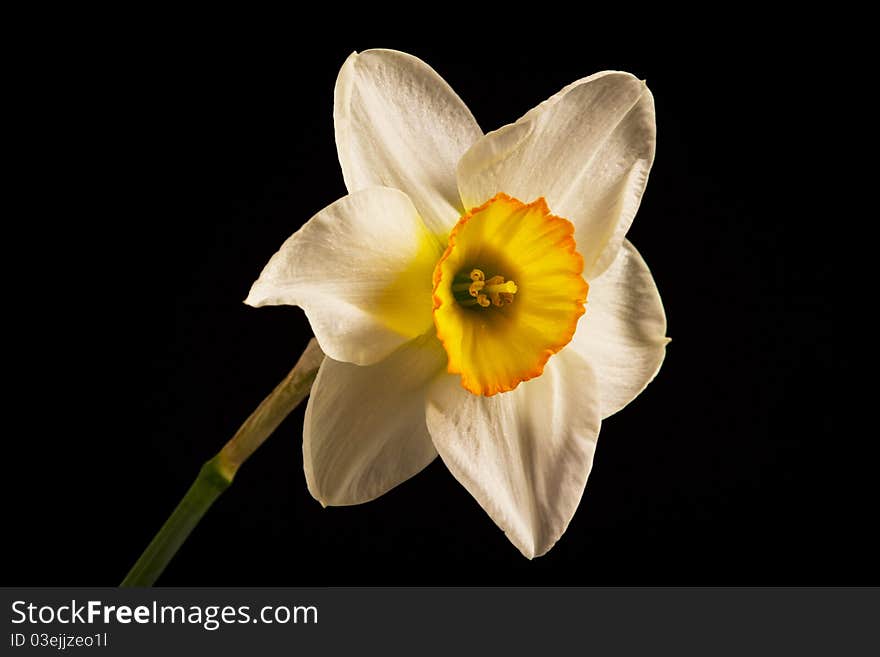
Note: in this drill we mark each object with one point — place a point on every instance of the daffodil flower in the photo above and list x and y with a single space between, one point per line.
474 294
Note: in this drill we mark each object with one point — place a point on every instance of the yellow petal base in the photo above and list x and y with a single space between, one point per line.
496 345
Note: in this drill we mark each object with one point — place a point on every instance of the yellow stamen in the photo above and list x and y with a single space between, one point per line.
485 293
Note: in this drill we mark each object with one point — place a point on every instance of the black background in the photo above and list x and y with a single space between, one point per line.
167 166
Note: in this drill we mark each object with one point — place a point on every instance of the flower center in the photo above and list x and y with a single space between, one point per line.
498 333
474 290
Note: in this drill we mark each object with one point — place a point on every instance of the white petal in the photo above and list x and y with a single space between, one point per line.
364 429
361 269
623 333
587 151
524 455
399 124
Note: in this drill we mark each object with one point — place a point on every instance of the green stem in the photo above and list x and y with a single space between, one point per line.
216 475
198 499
